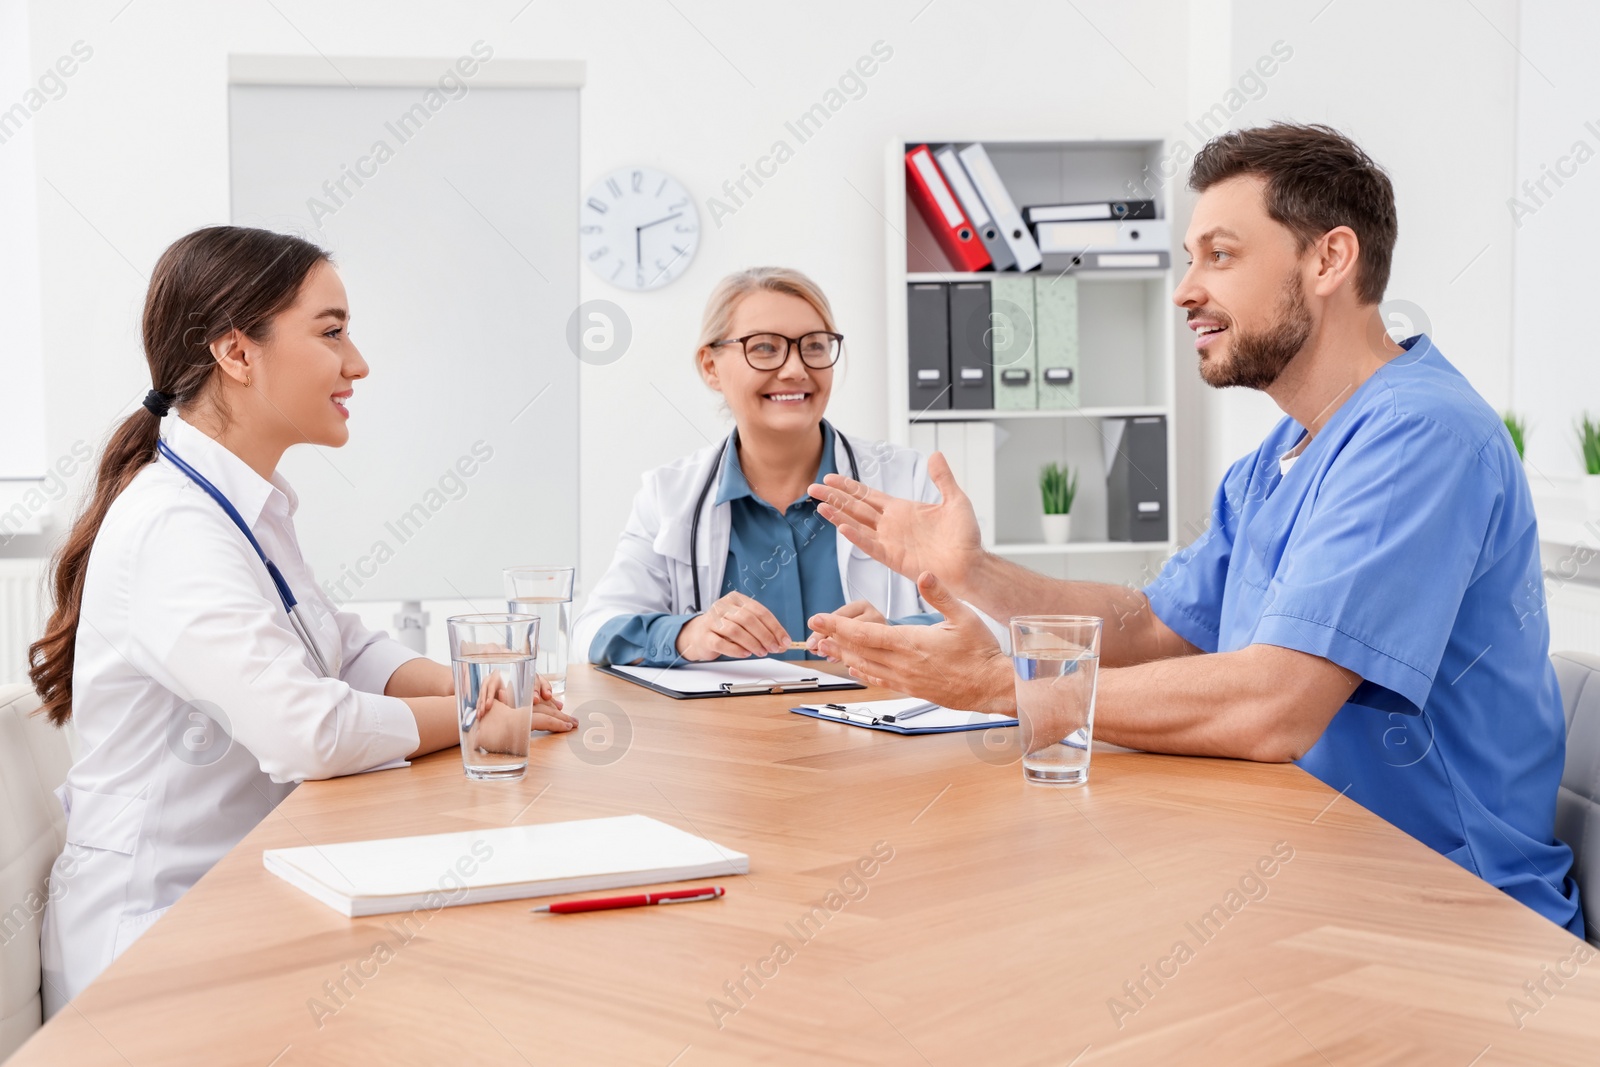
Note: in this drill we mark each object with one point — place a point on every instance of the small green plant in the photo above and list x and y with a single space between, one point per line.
1058 485
1589 438
1517 427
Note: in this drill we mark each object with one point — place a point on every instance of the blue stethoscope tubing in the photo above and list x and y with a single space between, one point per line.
290 605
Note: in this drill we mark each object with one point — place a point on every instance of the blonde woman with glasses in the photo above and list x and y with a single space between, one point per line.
724 554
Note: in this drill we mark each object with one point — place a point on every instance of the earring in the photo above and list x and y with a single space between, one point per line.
247 381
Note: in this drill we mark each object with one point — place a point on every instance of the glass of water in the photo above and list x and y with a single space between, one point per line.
547 593
496 684
1057 658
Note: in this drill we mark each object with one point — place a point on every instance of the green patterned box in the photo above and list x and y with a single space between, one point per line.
1016 365
1055 301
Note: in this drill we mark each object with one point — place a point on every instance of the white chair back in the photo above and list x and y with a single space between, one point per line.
34 758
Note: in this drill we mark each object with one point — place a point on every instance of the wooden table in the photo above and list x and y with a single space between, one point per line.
1008 927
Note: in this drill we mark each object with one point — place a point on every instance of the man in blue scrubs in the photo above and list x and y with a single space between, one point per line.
1367 600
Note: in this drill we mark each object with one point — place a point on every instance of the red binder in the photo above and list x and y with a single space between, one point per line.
942 211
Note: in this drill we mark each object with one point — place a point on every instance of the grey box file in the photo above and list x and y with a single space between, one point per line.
1136 478
928 345
971 347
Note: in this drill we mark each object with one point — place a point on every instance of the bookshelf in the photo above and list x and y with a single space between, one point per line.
1127 338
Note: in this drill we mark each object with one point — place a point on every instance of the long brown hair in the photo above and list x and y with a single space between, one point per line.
207 284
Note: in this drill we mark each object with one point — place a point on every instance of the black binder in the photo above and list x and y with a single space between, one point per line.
971 347
928 345
1136 488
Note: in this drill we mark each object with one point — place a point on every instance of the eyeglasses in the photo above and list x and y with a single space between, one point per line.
769 351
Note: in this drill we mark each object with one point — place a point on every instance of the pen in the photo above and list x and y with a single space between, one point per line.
735 688
676 896
839 711
911 712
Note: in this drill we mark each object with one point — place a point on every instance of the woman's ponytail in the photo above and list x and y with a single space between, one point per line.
132 446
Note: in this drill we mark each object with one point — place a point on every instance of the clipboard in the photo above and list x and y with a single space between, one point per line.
890 716
731 678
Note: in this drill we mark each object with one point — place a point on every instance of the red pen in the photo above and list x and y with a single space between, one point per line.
676 896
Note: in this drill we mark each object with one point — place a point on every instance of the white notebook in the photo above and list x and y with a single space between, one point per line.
504 863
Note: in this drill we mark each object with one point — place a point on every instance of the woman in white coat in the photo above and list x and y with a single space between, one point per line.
198 698
724 553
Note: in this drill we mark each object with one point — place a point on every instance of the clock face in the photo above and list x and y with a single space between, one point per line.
638 228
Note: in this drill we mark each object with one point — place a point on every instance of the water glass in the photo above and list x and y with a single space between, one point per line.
496 684
1057 659
547 593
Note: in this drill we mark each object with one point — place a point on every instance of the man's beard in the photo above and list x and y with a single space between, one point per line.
1255 360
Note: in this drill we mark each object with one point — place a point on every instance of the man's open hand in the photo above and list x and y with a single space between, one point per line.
907 536
955 663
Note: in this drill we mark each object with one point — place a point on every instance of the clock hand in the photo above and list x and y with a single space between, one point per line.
638 235
669 218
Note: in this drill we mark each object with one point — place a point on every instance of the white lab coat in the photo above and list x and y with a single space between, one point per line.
197 708
650 572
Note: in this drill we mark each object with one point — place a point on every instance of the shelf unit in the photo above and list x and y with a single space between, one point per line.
1076 548
943 415
1127 339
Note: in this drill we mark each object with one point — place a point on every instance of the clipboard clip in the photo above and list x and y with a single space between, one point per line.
740 688
843 713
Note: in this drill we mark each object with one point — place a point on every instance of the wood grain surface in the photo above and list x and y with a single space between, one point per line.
910 901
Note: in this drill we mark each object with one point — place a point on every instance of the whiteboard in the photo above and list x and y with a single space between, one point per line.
458 248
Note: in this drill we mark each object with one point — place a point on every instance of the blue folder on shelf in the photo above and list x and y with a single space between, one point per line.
904 716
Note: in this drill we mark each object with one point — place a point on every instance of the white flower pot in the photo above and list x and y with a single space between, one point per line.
1057 528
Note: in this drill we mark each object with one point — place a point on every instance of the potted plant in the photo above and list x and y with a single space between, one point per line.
1057 486
1589 441
1517 427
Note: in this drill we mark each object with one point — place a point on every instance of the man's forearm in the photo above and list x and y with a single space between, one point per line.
1132 633
1196 706
1260 703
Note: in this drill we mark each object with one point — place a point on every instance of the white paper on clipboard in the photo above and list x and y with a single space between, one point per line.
709 677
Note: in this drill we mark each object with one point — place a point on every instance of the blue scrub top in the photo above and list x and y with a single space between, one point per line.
788 561
1401 545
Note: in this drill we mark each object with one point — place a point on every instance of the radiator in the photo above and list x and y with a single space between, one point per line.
21 616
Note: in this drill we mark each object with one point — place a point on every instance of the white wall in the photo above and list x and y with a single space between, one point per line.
138 151
1428 90
1556 373
21 377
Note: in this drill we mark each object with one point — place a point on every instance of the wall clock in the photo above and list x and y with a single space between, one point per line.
638 228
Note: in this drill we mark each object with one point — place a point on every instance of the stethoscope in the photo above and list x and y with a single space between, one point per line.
296 619
705 491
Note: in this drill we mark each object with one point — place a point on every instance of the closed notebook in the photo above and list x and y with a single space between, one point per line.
503 863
